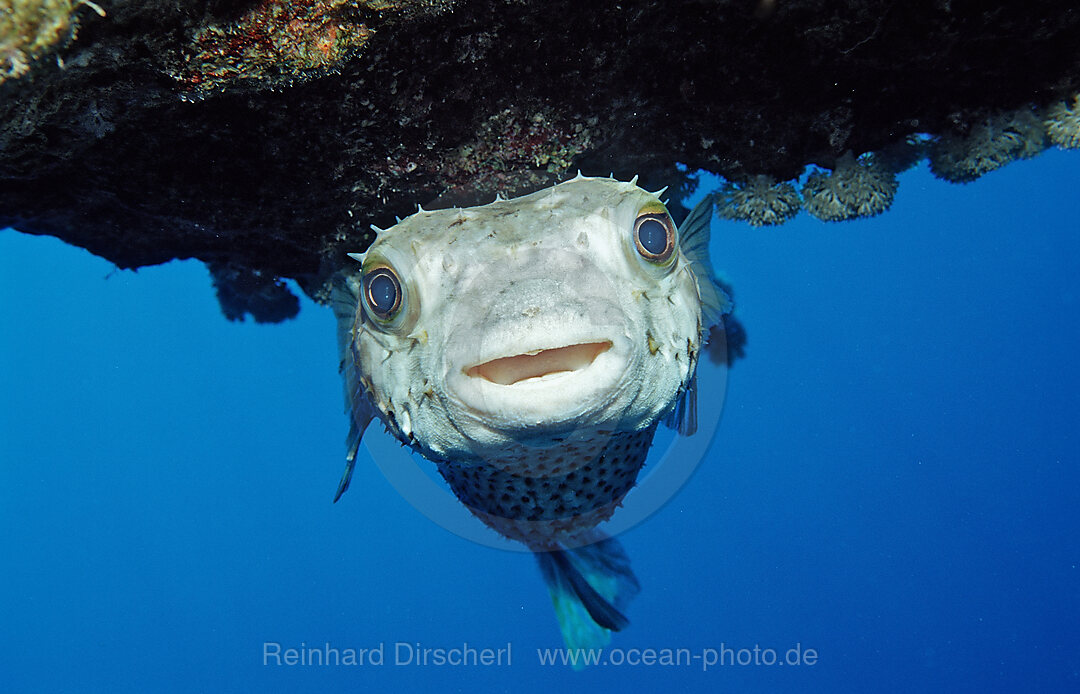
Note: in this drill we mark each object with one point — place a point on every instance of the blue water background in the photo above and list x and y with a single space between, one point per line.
895 483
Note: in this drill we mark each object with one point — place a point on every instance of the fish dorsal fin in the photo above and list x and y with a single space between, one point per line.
694 239
345 298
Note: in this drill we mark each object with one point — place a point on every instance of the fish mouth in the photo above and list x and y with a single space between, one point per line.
507 371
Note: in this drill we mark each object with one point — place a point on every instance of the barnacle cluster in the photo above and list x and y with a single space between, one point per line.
865 186
32 28
277 41
760 201
990 144
1062 123
855 188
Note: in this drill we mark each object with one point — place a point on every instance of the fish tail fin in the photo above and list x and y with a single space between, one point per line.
590 587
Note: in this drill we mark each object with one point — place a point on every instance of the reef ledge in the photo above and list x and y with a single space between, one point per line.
264 138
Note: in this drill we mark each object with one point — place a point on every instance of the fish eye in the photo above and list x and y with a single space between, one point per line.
382 289
654 236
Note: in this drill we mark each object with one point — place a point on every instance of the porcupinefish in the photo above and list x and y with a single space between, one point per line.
529 348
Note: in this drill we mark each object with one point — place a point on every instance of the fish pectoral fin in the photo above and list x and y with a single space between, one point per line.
346 477
356 432
694 235
683 415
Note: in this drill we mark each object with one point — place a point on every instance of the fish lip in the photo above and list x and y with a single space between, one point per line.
537 364
563 400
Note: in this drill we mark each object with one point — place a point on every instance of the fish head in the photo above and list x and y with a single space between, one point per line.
569 310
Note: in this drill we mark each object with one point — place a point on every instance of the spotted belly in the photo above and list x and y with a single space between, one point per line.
544 497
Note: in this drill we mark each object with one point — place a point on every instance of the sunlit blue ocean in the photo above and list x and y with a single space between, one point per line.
895 483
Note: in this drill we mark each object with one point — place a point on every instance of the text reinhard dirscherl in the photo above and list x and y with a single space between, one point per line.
400 653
